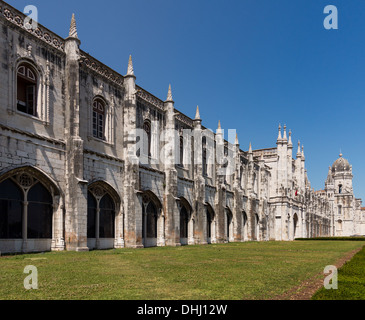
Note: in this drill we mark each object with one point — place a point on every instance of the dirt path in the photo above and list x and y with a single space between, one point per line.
309 287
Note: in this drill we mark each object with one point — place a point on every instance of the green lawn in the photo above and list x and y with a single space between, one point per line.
351 281
251 270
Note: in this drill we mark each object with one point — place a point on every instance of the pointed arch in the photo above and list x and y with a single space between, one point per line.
153 220
103 208
229 225
29 200
186 221
210 224
36 173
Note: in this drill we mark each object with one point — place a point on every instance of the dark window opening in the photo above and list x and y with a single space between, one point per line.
11 210
107 217
184 220
40 210
27 90
99 119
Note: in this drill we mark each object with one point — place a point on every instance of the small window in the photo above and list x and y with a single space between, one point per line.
181 162
340 188
147 144
27 90
99 119
204 153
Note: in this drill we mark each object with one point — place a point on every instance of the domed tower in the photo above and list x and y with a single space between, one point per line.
342 176
343 197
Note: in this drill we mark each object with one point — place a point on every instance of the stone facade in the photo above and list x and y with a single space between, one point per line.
107 193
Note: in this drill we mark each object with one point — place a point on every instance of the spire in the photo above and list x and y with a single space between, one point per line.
169 95
130 71
329 176
290 143
73 29
236 141
303 157
279 136
250 153
219 130
299 154
285 137
197 114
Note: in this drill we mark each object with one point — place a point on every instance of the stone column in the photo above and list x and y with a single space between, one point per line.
76 187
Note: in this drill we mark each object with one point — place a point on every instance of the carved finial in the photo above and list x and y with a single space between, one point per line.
279 136
250 148
197 114
285 137
219 125
130 71
236 141
169 94
298 152
73 29
290 143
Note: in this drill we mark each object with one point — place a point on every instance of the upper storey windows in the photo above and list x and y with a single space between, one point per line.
27 83
99 119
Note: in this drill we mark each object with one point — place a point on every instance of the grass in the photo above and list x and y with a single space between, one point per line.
351 281
235 271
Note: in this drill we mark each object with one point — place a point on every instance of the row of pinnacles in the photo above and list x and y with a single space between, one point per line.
90 160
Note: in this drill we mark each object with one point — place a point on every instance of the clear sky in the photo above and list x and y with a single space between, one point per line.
250 63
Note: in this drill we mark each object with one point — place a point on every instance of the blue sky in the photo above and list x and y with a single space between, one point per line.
250 63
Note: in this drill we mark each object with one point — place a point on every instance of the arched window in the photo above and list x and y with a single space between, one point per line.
99 119
27 89
107 217
229 224
11 210
184 221
181 154
147 144
151 220
340 188
23 194
100 212
204 153
210 224
40 212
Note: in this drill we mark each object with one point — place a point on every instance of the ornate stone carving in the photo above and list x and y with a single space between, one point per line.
41 33
102 70
146 96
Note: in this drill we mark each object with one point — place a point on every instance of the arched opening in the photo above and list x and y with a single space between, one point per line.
295 225
11 210
27 209
186 222
99 118
257 227
244 226
229 226
210 226
147 144
39 213
204 155
101 216
181 153
27 83
152 221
